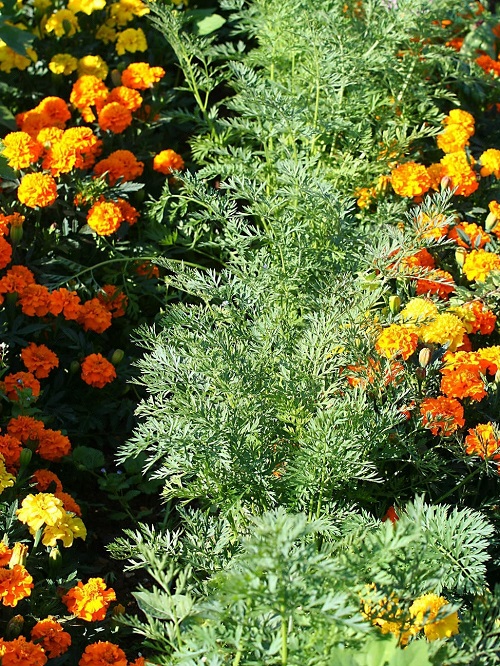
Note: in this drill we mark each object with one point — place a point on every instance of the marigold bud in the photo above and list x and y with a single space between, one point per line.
19 555
14 627
117 356
460 254
424 357
394 303
16 234
25 457
74 367
497 377
445 182
55 560
491 222
420 373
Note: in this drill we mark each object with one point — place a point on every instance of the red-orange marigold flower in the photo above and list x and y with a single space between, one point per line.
442 416
16 280
5 554
35 300
89 601
463 381
168 161
97 371
37 190
69 502
20 652
101 653
483 441
39 360
10 449
120 164
140 76
50 635
66 302
25 428
53 445
114 117
15 584
45 480
113 300
5 252
436 282
94 316
19 381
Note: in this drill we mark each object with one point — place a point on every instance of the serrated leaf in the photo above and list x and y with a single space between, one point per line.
209 24
88 457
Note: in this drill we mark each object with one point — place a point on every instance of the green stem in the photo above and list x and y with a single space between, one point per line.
462 483
237 657
284 638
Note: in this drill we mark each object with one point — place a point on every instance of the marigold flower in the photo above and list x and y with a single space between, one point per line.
445 329
37 190
55 110
462 118
93 64
86 6
6 481
418 312
35 300
489 65
463 381
10 60
15 584
113 300
483 441
6 221
119 164
41 509
103 652
462 177
442 416
25 428
127 97
69 503
48 136
66 530
130 41
5 554
481 319
88 91
469 235
66 302
5 252
433 228
63 23
387 615
453 138
479 264
50 635
89 601
53 445
94 316
97 371
168 161
490 163
63 63
105 217
435 173
20 652
129 213
396 340
425 611
20 381
410 180
106 34
46 479
16 280
39 360
20 150
421 259
489 358
140 76
10 450
436 282
114 117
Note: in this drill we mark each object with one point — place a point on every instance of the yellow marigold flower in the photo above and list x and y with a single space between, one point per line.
131 41
479 264
62 23
86 6
20 150
41 509
410 180
89 601
6 479
66 530
387 615
63 63
37 190
106 34
462 118
123 12
435 173
490 162
453 139
425 612
105 217
93 64
10 60
397 340
419 312
445 329
458 169
167 161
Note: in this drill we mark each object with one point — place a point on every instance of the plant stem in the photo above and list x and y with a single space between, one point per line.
284 637
462 483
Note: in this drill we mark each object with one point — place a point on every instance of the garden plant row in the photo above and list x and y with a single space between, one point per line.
250 293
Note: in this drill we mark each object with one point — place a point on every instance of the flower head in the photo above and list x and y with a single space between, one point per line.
49 634
37 190
97 371
89 601
168 161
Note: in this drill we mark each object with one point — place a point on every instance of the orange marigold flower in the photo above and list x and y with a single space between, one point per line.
410 180
35 300
86 145
462 177
32 122
55 110
127 97
88 91
53 445
120 164
114 117
68 502
433 228
50 635
25 428
66 302
421 259
483 441
436 282
396 340
5 554
48 481
113 300
168 161
20 652
37 190
89 601
20 150
479 264
489 65
16 280
101 653
483 319
435 173
469 235
140 76
463 381
39 360
15 584
130 214
20 381
94 316
462 118
140 661
442 416
10 449
97 371
453 138
5 252
490 162
105 217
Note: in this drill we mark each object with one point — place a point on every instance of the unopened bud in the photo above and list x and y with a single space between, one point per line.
19 555
424 357
74 367
117 356
119 609
14 627
16 234
394 304
460 254
445 182
497 377
491 222
55 560
25 457
116 77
